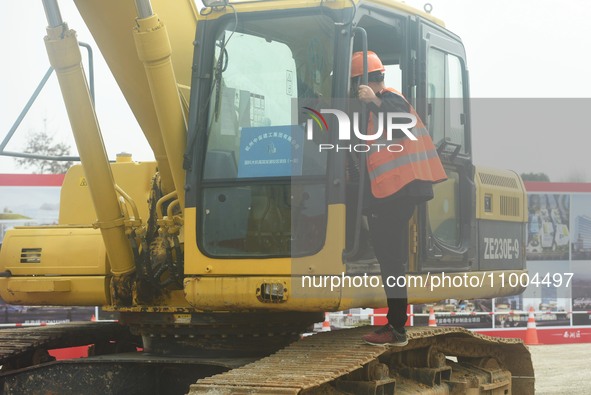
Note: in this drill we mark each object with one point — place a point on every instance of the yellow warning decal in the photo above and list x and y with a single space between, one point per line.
83 182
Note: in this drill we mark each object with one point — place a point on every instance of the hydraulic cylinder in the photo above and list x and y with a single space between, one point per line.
154 50
65 58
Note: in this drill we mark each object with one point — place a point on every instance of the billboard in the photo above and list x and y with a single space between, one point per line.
29 200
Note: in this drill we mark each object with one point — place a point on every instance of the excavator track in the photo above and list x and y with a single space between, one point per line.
340 362
27 346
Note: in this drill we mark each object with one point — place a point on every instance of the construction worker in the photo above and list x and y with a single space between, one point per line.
397 183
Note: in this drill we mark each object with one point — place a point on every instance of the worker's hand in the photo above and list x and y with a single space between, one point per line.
367 95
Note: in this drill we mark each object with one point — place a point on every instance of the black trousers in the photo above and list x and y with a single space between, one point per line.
388 226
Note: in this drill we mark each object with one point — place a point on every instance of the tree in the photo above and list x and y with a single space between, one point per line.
535 177
576 175
41 143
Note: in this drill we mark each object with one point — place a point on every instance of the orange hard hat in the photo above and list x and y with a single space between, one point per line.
373 63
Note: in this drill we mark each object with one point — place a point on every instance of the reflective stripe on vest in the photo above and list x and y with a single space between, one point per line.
418 160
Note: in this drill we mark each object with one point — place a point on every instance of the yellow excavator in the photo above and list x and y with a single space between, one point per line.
244 230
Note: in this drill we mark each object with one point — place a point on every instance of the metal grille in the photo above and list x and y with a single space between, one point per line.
500 181
31 255
510 206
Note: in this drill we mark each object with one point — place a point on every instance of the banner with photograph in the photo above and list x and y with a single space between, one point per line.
581 231
548 227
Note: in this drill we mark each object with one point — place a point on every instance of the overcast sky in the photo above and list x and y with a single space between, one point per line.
516 49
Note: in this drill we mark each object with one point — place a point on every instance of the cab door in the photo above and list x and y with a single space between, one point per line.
446 223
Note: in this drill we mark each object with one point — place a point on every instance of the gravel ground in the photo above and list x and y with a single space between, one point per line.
562 369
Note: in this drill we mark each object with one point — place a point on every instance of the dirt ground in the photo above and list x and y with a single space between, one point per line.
562 369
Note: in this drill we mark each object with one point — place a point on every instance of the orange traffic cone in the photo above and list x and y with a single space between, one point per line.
432 321
93 318
326 323
531 334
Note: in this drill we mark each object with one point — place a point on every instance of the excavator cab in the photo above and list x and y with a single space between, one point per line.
269 186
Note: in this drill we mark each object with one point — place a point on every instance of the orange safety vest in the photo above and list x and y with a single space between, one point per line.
389 171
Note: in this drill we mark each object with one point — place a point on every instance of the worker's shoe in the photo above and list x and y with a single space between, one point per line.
387 336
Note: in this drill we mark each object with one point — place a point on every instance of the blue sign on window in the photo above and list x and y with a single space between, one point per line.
271 151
